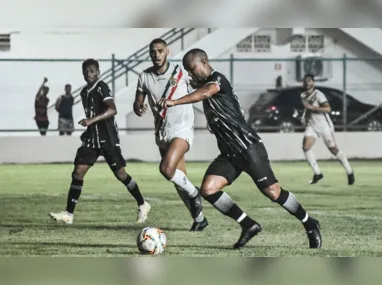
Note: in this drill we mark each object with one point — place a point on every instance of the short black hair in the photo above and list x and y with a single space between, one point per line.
309 75
195 52
89 62
157 41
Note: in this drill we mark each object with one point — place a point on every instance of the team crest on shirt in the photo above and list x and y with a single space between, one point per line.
172 81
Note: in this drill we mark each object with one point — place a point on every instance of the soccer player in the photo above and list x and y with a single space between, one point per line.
318 124
241 150
99 139
174 127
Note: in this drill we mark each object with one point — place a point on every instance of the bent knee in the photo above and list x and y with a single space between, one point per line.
167 170
306 148
272 192
79 172
334 150
121 174
208 188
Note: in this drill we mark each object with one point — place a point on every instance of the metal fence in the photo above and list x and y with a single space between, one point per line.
353 85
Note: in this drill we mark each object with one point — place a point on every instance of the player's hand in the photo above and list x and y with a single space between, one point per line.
139 109
308 106
85 122
165 103
303 121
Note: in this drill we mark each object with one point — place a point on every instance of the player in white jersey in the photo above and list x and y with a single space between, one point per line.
318 124
174 127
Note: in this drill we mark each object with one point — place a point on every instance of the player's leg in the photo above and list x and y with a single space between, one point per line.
85 158
41 127
61 127
69 127
117 163
330 142
168 167
259 168
219 174
193 204
310 137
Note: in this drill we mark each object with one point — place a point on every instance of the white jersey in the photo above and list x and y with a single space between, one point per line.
318 121
173 84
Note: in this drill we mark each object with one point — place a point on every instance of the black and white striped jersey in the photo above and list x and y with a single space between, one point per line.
225 117
102 133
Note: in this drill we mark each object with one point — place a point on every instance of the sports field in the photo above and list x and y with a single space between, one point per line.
350 216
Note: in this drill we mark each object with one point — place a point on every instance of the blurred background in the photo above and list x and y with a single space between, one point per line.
265 65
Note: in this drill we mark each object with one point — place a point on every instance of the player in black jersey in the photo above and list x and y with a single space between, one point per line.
99 139
241 150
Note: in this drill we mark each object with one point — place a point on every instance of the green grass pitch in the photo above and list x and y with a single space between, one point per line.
350 216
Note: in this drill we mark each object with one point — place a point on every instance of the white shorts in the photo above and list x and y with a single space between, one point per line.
327 135
164 137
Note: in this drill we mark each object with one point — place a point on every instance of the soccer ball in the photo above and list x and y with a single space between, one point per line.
151 241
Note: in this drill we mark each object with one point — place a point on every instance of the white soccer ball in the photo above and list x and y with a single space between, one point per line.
151 241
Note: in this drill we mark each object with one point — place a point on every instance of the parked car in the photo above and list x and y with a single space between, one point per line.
280 110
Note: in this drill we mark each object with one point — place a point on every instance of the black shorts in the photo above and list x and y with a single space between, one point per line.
255 163
88 156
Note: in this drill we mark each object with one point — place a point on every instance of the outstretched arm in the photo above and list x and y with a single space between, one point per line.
39 92
206 91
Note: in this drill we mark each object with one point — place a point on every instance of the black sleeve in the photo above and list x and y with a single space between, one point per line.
215 77
104 90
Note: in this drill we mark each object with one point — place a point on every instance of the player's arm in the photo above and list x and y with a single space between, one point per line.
139 104
140 95
324 105
206 91
109 112
39 92
58 102
108 100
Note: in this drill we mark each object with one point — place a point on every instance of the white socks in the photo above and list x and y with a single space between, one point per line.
344 161
312 161
181 180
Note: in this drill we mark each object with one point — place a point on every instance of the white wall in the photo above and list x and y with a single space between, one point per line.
19 81
141 146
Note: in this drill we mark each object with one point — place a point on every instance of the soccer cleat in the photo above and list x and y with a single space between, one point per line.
198 227
247 235
314 235
196 206
351 179
316 178
63 217
143 211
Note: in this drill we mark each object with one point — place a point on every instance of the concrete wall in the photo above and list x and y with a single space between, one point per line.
141 146
19 80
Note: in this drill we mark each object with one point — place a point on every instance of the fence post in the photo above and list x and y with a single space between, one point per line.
231 59
344 101
113 74
182 39
126 76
